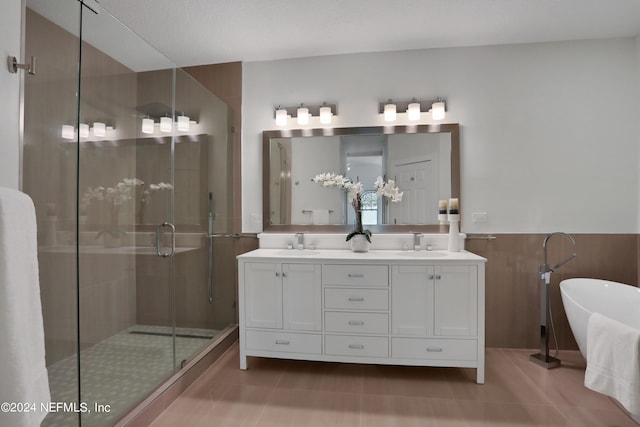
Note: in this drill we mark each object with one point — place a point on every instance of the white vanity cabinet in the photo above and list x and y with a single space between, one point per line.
380 307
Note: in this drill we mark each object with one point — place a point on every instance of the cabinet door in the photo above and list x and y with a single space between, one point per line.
302 297
263 295
456 301
412 300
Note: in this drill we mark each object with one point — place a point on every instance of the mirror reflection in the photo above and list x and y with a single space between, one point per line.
422 160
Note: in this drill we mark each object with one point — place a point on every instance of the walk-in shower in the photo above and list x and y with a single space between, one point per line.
126 157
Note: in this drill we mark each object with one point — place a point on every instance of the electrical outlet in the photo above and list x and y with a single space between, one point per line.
479 217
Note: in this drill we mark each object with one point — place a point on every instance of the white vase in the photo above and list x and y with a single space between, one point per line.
359 243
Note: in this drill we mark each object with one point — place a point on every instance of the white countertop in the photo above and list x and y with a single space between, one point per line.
437 256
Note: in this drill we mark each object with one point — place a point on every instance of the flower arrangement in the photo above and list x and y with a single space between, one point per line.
354 189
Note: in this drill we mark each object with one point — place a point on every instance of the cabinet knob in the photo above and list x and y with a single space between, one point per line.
430 276
356 346
438 276
284 274
277 274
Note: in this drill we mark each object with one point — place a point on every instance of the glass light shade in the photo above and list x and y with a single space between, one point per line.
281 117
325 115
165 124
303 116
390 112
413 111
99 129
84 130
68 131
437 110
183 123
147 125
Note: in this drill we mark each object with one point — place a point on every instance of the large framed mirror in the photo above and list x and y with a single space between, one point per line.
424 161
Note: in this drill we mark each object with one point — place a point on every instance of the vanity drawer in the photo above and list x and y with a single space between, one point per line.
355 275
434 349
356 299
284 342
350 345
362 323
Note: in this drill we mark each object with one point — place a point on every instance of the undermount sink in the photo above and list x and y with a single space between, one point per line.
297 252
423 254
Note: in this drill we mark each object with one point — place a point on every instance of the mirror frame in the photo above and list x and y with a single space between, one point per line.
452 128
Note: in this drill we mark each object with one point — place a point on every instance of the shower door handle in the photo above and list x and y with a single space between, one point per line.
173 240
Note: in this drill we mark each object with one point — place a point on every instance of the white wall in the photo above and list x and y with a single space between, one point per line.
637 114
540 152
10 24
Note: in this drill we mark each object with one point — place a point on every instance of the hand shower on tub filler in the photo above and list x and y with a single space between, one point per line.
546 318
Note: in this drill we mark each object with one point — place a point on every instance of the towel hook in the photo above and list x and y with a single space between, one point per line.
14 65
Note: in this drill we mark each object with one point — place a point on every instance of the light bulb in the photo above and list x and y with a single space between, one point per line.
147 125
99 129
183 123
390 112
325 115
303 116
281 117
67 131
165 124
437 110
413 111
84 130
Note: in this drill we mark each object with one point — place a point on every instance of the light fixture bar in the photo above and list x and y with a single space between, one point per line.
314 110
402 106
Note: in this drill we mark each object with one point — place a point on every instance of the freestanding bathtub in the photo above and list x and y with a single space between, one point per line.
581 297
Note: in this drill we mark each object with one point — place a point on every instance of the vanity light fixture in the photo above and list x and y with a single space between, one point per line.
303 113
147 125
166 124
183 123
413 108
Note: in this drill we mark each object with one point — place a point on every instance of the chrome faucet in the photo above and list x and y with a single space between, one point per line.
300 237
546 318
545 266
417 240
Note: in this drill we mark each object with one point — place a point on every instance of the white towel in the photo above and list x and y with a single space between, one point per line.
613 361
23 372
320 216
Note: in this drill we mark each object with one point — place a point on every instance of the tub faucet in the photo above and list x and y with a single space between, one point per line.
545 267
546 318
300 237
417 240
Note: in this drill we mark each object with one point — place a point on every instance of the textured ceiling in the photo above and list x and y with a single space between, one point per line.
193 32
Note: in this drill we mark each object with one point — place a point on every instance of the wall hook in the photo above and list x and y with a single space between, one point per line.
14 65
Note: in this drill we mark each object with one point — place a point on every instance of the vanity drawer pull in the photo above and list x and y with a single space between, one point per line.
356 322
282 342
430 276
438 277
356 346
354 275
434 349
356 299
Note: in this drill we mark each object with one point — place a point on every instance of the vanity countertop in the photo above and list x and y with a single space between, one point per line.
373 255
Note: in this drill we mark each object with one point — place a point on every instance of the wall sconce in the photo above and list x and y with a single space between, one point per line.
83 130
304 113
68 131
183 123
99 129
413 109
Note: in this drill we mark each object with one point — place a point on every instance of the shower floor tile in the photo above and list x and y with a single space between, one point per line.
120 371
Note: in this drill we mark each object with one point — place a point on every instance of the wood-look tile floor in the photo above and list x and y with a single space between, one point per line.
294 393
